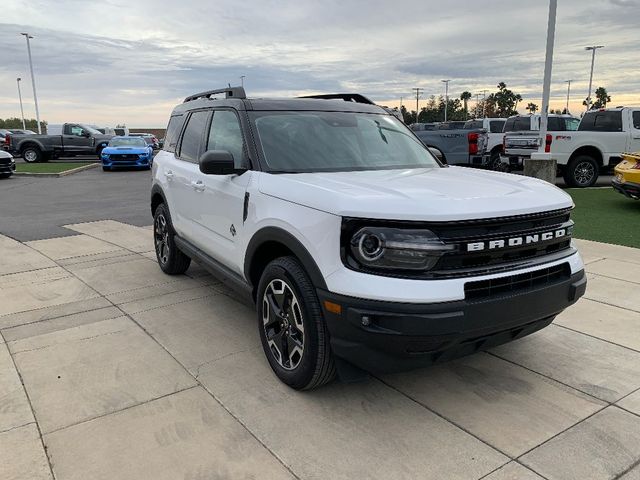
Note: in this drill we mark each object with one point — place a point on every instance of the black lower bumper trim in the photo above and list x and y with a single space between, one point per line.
389 336
630 189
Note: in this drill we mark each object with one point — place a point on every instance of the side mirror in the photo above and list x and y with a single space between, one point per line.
218 162
86 134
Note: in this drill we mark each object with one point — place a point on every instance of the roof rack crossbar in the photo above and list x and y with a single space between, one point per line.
230 92
347 97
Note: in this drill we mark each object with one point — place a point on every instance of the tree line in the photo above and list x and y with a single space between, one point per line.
499 104
15 122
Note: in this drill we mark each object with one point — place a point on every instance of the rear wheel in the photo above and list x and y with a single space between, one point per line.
292 329
171 260
581 172
106 169
32 154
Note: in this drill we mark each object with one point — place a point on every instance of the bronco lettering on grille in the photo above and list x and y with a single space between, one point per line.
517 241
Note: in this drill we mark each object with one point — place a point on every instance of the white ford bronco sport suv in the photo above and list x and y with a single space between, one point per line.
359 249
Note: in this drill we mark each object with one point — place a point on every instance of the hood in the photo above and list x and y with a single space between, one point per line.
132 150
426 194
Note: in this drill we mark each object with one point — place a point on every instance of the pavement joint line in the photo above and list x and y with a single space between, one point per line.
443 417
28 271
33 412
550 378
76 340
176 279
128 407
52 318
611 304
591 262
17 426
211 362
517 462
597 338
615 278
212 294
633 465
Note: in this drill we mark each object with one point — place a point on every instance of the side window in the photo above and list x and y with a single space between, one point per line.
173 133
76 130
496 126
192 136
602 122
636 120
225 134
555 124
522 123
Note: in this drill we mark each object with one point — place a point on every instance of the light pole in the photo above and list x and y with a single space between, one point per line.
242 77
24 127
477 105
568 82
484 103
418 90
446 97
593 59
33 81
546 83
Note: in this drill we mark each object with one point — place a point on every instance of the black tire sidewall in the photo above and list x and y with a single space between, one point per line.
569 173
310 307
173 249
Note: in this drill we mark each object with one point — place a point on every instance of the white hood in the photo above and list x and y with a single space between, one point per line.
427 194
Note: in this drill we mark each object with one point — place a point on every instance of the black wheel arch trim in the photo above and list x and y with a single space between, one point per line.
157 190
276 234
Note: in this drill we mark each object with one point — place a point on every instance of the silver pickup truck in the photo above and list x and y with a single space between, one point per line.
456 146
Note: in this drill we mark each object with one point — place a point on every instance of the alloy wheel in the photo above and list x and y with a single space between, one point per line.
161 237
584 173
282 323
30 156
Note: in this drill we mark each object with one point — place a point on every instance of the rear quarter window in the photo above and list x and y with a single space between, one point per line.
602 122
173 132
473 124
636 120
522 124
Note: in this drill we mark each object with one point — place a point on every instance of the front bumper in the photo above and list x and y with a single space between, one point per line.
400 336
630 189
8 167
140 163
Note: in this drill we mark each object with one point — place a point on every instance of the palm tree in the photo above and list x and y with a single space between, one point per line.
465 97
532 107
518 98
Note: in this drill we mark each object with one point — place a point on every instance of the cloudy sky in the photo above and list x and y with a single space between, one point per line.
111 61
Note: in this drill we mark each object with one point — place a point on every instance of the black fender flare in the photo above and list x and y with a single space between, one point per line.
276 234
156 190
30 143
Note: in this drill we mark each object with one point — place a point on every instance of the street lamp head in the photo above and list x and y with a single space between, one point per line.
26 35
18 79
445 81
595 47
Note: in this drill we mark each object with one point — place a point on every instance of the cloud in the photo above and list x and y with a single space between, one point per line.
110 63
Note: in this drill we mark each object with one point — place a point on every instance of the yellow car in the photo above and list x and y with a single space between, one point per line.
627 175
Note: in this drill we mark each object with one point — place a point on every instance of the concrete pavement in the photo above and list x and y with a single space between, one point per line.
110 369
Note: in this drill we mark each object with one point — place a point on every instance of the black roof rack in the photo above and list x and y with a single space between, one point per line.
347 97
230 92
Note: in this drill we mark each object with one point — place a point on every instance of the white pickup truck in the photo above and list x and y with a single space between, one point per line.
597 145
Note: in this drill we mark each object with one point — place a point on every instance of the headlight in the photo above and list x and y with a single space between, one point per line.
396 248
105 156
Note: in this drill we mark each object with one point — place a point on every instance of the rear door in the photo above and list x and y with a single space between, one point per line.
184 171
634 137
219 218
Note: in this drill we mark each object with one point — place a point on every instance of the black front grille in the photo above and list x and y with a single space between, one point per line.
517 283
124 157
5 161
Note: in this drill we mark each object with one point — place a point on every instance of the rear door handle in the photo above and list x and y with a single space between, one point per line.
197 185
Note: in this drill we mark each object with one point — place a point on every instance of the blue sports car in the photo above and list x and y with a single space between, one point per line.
127 152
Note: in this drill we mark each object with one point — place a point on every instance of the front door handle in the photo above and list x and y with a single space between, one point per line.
168 175
197 185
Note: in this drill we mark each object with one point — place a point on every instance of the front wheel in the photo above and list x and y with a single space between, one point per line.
292 329
171 260
581 172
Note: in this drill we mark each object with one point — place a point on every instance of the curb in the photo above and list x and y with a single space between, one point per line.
54 175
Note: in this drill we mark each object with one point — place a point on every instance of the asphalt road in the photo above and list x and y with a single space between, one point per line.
36 208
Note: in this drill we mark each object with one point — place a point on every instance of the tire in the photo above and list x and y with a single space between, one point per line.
106 169
581 172
296 344
99 153
32 154
495 163
171 260
5 175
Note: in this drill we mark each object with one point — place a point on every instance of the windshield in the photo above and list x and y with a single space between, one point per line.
91 130
127 142
298 142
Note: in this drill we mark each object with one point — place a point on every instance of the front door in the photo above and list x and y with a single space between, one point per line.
75 139
634 137
219 220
